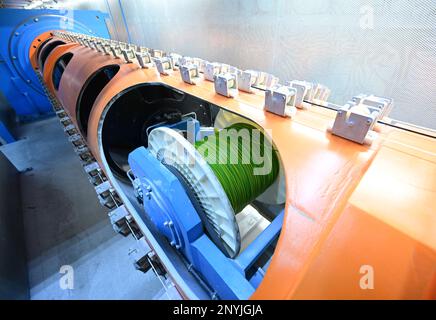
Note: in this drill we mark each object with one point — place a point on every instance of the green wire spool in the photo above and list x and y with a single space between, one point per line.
243 160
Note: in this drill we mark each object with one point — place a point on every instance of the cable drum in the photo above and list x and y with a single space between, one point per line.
220 178
243 160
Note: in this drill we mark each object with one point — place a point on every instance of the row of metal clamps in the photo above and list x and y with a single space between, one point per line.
228 80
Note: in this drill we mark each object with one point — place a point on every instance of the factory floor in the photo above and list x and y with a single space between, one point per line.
65 225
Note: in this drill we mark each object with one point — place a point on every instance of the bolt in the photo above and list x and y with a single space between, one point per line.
28 81
17 34
14 58
36 19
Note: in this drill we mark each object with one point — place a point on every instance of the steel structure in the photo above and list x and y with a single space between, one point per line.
350 210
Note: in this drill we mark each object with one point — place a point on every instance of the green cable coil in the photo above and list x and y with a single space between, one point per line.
243 160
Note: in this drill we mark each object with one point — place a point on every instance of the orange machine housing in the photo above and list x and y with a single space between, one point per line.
351 209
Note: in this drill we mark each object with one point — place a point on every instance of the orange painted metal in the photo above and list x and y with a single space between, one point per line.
35 47
50 63
348 206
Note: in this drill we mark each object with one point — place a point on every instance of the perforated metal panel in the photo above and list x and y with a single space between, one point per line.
385 47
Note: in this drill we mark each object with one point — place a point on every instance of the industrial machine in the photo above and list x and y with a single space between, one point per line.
242 186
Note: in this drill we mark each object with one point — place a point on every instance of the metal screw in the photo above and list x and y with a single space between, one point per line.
36 19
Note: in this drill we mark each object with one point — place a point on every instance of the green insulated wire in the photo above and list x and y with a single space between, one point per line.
238 177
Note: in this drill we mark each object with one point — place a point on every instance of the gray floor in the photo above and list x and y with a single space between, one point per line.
65 224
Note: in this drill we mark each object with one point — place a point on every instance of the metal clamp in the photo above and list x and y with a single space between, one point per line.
176 58
144 59
157 53
116 51
266 80
356 119
118 218
246 80
211 69
106 48
129 55
190 73
320 93
200 63
280 100
226 84
164 65
304 93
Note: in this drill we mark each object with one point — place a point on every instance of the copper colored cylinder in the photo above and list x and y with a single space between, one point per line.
78 76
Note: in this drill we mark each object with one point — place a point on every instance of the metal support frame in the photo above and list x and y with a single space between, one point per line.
190 73
280 100
356 119
226 84
176 218
164 65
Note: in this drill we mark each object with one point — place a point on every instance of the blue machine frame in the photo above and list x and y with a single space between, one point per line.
18 28
167 204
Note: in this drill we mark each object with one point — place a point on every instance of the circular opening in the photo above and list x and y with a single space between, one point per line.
59 68
41 46
132 112
46 50
90 92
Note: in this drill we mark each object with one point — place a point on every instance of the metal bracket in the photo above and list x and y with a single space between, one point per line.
246 80
304 93
164 65
190 73
356 119
320 93
70 130
211 69
144 59
118 218
266 80
176 58
129 55
226 84
116 51
157 53
280 100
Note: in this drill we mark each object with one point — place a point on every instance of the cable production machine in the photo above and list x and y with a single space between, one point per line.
320 201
